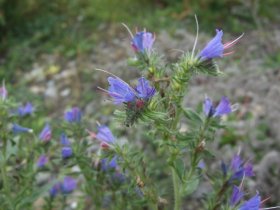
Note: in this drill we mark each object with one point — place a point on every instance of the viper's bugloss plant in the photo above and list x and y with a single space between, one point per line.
78 164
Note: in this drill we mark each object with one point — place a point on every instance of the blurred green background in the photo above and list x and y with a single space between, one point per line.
69 28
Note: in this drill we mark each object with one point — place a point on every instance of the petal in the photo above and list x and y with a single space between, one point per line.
236 196
214 48
104 134
144 89
120 91
223 108
207 106
252 204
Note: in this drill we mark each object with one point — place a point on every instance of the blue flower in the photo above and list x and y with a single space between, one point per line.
143 42
19 129
236 196
223 108
46 134
252 204
201 165
25 110
68 185
104 134
215 48
66 152
3 92
120 91
144 89
64 140
42 161
107 164
54 190
118 177
73 116
240 169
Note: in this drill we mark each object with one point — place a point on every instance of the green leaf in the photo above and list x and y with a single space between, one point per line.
179 167
190 186
193 116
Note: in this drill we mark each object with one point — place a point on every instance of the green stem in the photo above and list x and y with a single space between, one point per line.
176 188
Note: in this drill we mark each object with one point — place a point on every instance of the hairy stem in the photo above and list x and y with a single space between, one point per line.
176 188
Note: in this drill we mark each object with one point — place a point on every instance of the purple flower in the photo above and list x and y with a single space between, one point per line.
252 204
64 140
3 92
25 110
107 164
73 116
223 108
240 169
105 135
46 134
42 161
120 91
54 190
68 185
201 165
215 48
143 42
19 129
66 152
144 89
118 177
236 196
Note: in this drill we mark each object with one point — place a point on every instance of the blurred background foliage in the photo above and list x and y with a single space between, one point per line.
68 27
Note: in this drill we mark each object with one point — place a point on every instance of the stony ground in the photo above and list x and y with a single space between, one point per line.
248 80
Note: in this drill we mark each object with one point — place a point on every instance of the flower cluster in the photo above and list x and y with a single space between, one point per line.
253 203
135 99
223 108
143 42
28 109
238 169
67 186
73 116
66 150
215 48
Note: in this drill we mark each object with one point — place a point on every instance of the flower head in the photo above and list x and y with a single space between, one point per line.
252 204
120 91
68 185
73 116
46 134
105 136
64 140
25 110
54 190
19 129
107 164
223 108
144 89
215 48
3 92
240 169
42 161
143 42
66 152
236 196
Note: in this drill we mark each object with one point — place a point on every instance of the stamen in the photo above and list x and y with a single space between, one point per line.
195 41
275 207
116 77
228 53
128 30
229 44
